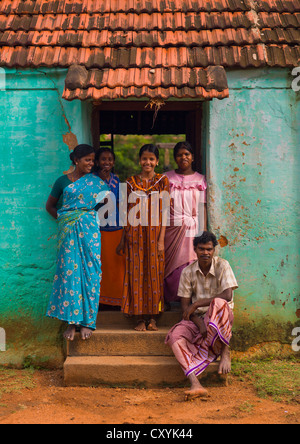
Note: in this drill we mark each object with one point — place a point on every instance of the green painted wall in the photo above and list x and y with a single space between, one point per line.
252 161
251 142
34 123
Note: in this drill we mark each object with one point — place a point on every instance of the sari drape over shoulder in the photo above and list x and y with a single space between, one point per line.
76 288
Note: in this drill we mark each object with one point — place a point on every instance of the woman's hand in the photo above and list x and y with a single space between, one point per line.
104 174
120 250
160 248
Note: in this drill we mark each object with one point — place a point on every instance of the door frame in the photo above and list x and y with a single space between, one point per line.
193 120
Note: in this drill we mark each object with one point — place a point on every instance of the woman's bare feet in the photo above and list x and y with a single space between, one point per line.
196 390
141 325
69 334
152 325
225 362
85 333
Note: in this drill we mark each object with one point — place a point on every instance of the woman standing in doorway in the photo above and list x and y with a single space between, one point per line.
76 288
113 265
143 242
188 218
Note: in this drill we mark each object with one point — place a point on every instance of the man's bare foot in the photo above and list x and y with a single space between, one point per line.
152 325
196 390
85 333
225 362
199 392
69 334
141 326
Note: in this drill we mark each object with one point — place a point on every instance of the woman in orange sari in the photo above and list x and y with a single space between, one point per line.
143 242
113 266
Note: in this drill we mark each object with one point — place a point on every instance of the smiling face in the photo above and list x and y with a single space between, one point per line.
184 159
106 161
85 164
148 162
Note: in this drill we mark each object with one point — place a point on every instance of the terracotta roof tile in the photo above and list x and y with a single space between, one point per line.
152 83
127 37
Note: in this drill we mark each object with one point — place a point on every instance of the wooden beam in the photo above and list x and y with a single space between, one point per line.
141 106
95 127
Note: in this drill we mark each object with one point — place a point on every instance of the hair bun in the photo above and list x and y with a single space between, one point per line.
72 156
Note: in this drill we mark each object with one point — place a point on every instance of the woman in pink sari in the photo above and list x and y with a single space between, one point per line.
187 218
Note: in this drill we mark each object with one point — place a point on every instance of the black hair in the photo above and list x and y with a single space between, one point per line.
104 150
205 237
186 145
81 151
150 148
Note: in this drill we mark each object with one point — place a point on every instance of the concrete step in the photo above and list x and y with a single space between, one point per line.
121 342
132 371
118 319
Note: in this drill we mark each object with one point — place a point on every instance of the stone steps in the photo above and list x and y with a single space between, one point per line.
120 342
116 319
117 355
124 371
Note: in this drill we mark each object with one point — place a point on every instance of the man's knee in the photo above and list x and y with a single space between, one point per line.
179 331
219 302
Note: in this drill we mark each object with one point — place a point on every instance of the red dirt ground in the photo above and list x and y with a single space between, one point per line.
47 401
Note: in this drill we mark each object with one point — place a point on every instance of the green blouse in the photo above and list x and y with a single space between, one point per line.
59 186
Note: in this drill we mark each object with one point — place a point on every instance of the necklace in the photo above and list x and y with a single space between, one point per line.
74 176
144 189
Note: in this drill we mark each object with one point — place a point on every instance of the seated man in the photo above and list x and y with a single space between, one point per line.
206 290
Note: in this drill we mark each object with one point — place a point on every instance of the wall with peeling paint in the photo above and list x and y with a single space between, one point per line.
37 130
252 144
252 160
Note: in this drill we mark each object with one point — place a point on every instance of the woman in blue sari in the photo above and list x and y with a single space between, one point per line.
76 288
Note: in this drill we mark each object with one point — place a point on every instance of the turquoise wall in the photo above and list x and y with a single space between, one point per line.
37 130
251 142
252 160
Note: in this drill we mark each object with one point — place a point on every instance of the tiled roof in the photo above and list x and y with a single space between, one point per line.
153 48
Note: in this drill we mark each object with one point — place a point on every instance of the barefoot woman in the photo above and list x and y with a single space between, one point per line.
143 242
188 190
75 294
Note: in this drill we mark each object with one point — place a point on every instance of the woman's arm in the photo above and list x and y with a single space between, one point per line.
51 206
161 237
161 241
121 247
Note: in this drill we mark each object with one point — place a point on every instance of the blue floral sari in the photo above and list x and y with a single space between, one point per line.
76 288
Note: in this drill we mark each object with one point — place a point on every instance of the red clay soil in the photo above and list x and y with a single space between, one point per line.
47 401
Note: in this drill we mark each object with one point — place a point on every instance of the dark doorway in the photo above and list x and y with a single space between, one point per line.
124 118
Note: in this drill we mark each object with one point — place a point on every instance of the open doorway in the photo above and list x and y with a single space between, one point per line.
126 126
126 149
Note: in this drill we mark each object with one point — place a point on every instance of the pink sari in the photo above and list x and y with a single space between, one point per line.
186 221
